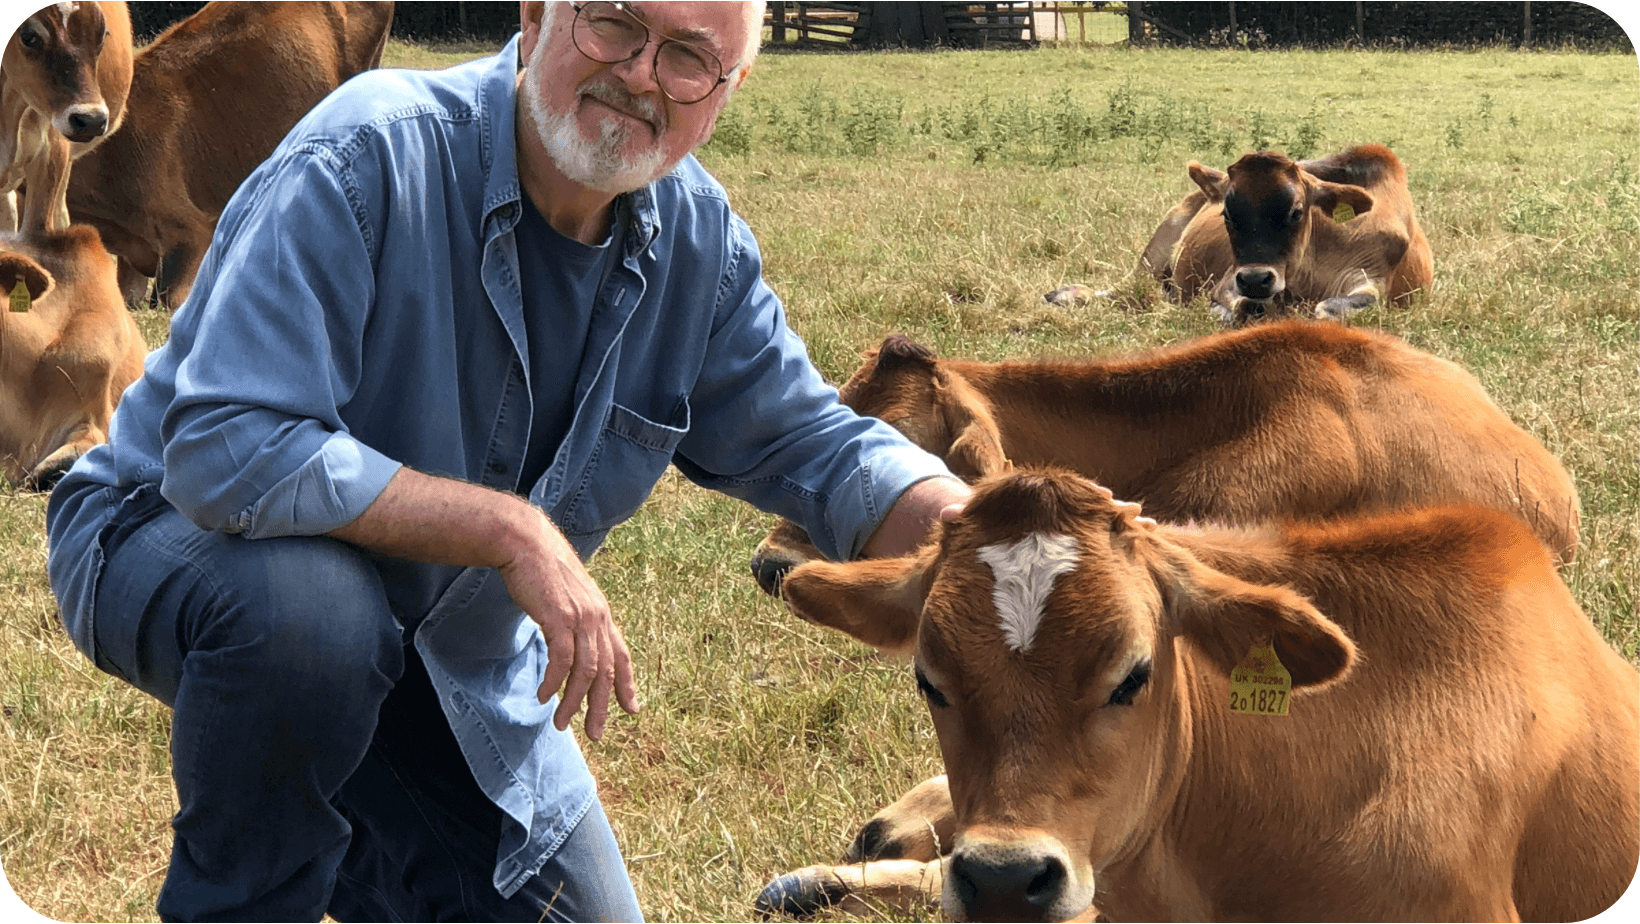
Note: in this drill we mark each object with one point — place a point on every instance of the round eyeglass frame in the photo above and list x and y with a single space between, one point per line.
665 40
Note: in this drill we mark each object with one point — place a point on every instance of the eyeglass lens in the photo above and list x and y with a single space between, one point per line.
608 33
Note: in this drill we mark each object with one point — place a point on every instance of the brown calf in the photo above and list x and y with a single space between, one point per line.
1455 741
67 351
210 100
63 85
1325 237
1290 419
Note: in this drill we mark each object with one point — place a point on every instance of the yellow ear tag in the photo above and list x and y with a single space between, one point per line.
1342 212
1259 685
20 299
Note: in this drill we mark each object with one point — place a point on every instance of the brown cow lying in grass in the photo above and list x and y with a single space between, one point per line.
1268 237
65 357
211 98
1291 419
1459 742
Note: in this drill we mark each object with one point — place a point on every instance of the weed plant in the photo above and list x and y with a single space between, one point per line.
939 196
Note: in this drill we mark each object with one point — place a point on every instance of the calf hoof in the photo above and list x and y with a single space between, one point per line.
801 894
44 478
770 572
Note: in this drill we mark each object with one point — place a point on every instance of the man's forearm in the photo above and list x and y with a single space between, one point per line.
443 521
908 522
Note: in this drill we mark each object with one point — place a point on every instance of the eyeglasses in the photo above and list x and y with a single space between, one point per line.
609 34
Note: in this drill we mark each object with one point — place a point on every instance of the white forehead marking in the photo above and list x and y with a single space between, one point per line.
66 9
1025 572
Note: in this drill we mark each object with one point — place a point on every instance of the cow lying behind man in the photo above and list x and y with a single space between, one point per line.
1453 740
68 349
1291 419
63 84
1269 237
210 99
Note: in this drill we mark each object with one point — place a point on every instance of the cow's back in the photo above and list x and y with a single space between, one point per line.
282 57
1485 744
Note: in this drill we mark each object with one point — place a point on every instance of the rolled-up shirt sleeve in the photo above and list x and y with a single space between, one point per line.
254 439
767 428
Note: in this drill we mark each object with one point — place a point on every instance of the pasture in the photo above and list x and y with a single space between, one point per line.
940 195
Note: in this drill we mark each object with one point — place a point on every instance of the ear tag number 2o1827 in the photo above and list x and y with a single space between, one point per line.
1259 685
20 300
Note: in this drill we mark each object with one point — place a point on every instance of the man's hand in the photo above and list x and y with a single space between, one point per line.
447 522
586 654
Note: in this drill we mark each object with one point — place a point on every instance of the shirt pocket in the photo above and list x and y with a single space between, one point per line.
631 455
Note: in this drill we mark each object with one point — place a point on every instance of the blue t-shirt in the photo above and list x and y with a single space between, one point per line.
560 277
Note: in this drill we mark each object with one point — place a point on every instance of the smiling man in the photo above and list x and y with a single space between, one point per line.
447 337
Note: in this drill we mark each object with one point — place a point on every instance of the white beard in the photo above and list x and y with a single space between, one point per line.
597 164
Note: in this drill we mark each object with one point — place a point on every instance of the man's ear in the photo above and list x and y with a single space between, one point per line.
1328 196
877 601
1212 182
1225 617
976 444
530 14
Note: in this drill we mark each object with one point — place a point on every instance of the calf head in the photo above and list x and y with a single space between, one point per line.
1048 624
903 384
52 62
1270 204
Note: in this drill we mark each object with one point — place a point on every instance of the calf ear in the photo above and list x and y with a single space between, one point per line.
1212 182
15 267
1225 617
976 444
876 601
1328 196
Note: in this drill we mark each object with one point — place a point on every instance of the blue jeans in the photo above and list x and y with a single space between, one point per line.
315 772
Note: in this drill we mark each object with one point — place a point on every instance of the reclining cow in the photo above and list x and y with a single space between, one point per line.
68 349
1270 237
63 84
210 99
1291 419
1400 717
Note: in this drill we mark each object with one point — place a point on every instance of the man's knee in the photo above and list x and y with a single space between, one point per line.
304 607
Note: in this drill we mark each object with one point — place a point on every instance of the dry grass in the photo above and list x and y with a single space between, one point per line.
764 742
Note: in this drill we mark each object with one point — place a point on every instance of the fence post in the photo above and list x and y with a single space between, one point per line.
1360 22
1526 34
1136 22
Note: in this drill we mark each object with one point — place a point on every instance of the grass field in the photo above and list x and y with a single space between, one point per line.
940 195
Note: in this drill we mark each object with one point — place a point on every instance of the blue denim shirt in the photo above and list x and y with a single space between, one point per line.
359 309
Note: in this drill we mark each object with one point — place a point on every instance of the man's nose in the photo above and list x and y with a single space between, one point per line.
638 71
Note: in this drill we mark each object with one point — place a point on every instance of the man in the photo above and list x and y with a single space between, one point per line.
429 362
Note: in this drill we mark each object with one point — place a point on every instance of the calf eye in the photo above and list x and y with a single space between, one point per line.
934 697
1295 216
1131 685
29 38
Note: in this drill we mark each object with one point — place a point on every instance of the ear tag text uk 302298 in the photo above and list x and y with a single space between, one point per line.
1342 212
1259 685
20 299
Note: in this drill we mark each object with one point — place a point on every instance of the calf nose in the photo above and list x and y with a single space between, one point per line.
86 123
1007 886
1256 282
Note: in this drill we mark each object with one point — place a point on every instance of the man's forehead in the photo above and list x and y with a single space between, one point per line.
712 24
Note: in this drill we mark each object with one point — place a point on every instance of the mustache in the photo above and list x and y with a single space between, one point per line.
612 93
